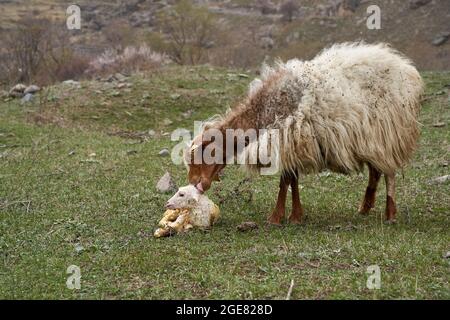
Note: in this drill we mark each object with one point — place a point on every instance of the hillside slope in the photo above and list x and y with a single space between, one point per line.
410 27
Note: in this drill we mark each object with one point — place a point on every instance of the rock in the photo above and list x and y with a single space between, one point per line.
131 152
439 180
267 43
17 91
151 133
439 124
247 226
447 255
71 82
27 98
121 85
441 39
415 4
167 122
120 77
78 248
19 87
175 96
164 153
187 114
166 184
32 89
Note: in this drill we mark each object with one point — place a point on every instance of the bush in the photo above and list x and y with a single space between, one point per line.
130 60
38 51
191 32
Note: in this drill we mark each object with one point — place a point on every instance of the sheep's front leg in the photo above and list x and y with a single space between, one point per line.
391 208
297 210
369 198
278 212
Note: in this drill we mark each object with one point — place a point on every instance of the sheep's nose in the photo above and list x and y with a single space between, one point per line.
167 205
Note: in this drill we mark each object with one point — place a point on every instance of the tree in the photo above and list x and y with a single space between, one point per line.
289 9
190 31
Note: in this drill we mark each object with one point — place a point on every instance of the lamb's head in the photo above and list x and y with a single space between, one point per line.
186 197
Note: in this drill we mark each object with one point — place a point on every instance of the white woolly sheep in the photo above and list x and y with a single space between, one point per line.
354 104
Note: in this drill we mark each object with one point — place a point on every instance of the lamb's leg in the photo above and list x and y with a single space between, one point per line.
297 210
179 223
278 212
391 209
369 198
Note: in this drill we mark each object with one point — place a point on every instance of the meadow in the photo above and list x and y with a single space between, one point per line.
78 169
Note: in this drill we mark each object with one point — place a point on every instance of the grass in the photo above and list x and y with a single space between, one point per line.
57 209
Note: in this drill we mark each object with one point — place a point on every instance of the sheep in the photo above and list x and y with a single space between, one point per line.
188 208
354 104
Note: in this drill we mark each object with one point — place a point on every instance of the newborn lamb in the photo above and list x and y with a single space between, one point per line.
188 208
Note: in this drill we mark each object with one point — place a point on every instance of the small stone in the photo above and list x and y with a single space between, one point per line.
439 40
27 98
79 248
247 226
164 153
175 96
447 255
167 122
32 89
187 114
131 152
439 124
151 133
166 184
439 180
17 91
71 82
415 4
19 88
121 85
120 77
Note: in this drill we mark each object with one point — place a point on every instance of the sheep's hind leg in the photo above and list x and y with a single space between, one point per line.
297 210
279 211
369 197
391 208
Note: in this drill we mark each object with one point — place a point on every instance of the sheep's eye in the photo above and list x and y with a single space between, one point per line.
181 194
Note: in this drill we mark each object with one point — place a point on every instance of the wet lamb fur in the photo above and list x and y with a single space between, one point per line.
353 104
203 212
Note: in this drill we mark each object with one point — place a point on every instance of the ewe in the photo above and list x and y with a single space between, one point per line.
353 105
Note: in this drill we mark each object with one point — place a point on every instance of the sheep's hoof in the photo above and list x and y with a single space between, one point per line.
295 220
364 209
274 222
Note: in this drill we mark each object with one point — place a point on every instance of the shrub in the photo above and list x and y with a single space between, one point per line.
191 32
130 60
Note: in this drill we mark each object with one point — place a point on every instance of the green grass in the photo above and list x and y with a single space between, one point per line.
52 201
